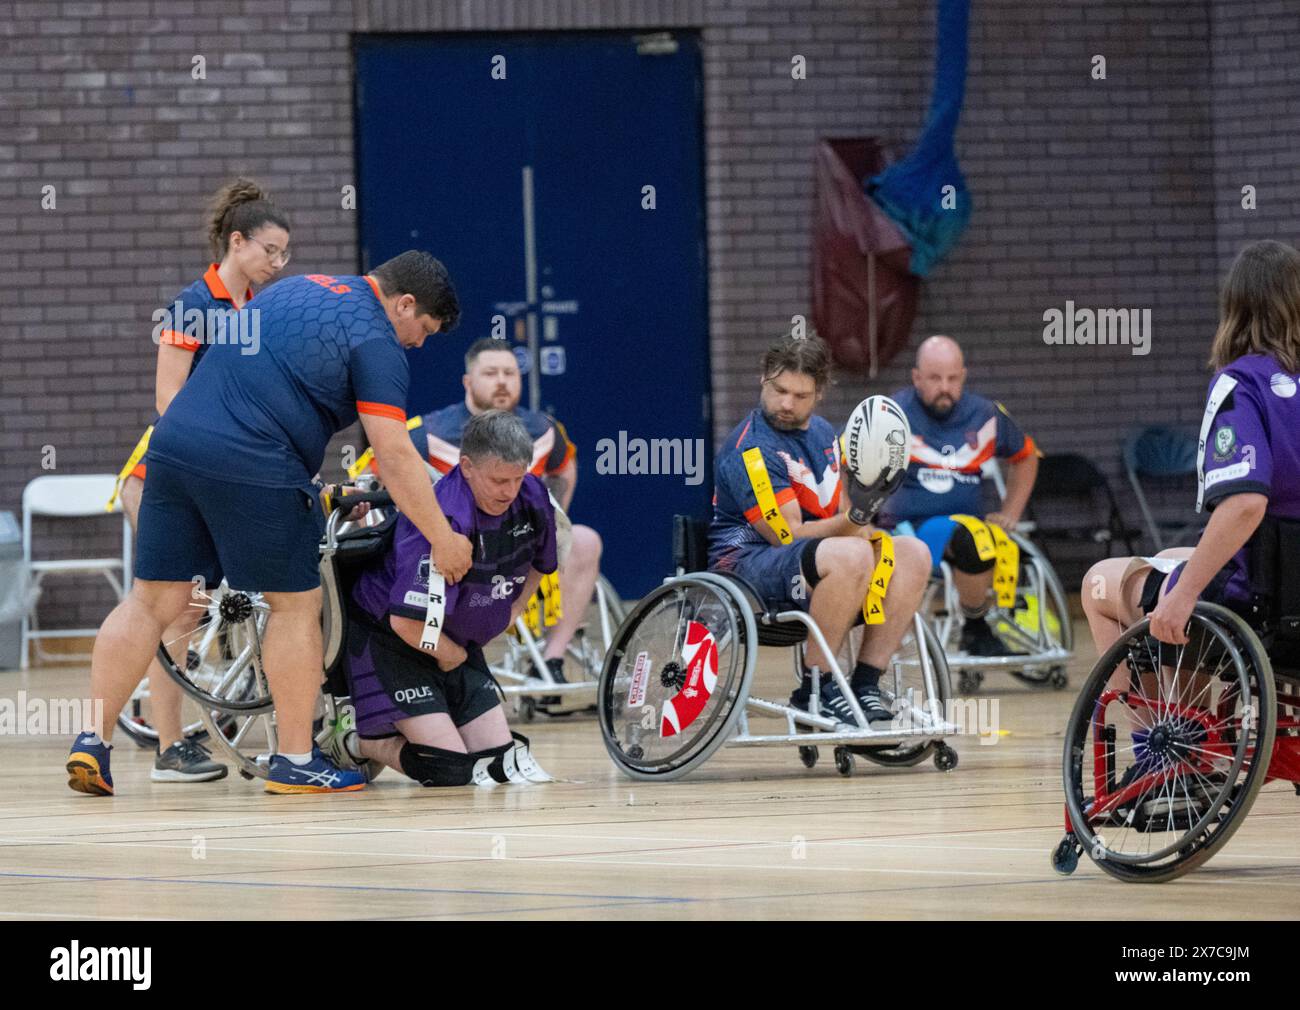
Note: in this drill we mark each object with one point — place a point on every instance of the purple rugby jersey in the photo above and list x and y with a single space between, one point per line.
1250 443
505 547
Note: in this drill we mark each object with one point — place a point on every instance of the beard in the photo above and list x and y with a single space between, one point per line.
938 412
779 425
482 404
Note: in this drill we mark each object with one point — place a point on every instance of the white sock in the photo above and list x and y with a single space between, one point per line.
298 759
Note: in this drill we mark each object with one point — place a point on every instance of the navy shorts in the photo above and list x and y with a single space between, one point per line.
262 539
783 576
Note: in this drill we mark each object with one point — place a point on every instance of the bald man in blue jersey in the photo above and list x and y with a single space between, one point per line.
230 491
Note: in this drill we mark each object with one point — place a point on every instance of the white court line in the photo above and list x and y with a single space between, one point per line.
600 859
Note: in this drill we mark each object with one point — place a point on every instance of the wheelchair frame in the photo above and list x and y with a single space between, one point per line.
766 627
1044 653
523 647
1277 738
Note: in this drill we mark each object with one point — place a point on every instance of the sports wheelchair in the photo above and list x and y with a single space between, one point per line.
521 670
1037 624
676 682
1180 738
223 672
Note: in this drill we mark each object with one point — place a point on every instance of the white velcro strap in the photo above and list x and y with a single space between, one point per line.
1222 387
433 612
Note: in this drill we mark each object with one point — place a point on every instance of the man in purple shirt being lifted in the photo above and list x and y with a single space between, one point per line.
426 704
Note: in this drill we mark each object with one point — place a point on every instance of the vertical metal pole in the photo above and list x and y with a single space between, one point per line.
530 290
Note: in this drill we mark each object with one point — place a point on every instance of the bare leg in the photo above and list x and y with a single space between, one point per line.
577 584
844 566
487 730
292 655
164 693
911 573
126 642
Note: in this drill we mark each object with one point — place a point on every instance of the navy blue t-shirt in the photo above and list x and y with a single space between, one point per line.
262 411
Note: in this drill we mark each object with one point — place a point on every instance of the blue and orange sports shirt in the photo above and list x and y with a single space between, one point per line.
208 292
262 410
194 301
943 475
438 439
803 466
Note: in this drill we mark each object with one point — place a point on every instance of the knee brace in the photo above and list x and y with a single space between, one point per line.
433 766
963 555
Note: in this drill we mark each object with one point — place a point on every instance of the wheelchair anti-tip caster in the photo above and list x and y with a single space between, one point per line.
1065 857
808 755
843 761
1057 678
945 758
527 709
969 681
247 775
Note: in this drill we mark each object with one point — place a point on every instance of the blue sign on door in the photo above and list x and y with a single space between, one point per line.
531 185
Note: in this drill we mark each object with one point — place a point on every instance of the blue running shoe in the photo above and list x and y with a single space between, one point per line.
88 766
319 775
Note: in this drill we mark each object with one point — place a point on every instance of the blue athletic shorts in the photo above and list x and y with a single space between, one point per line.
777 573
262 539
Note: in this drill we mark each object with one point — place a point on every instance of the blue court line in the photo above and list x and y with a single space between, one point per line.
632 898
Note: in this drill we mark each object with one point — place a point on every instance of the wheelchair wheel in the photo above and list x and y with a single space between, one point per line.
224 675
1178 739
904 684
677 677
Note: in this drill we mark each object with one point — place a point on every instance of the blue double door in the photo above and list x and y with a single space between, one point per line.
560 178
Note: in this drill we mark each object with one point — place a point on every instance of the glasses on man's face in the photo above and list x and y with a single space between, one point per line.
277 256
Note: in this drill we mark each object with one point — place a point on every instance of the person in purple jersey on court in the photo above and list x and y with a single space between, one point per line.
1249 459
434 714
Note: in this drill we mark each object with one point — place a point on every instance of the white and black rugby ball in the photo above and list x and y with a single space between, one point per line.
876 446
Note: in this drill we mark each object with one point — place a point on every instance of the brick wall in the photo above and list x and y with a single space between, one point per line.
1115 193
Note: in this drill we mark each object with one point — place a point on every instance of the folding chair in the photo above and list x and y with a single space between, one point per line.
1160 455
74 497
1072 476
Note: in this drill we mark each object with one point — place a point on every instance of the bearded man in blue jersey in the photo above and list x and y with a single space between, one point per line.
954 433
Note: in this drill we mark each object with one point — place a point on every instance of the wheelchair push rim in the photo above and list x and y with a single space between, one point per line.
677 678
1160 769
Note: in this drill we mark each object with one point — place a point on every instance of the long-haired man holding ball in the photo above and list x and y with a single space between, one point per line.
793 518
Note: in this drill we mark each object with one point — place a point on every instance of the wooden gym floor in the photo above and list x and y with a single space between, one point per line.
751 835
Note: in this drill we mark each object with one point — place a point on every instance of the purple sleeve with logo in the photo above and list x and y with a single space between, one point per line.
1237 458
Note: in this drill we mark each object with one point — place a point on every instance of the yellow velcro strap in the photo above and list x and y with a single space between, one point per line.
762 487
873 607
543 609
1006 569
136 455
980 532
367 457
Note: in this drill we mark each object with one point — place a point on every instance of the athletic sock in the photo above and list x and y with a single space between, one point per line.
297 759
865 676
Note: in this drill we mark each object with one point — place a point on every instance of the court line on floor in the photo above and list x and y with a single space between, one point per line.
84 878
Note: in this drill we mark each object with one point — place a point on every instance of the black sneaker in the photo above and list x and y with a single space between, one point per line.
186 761
556 669
978 639
834 705
872 704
